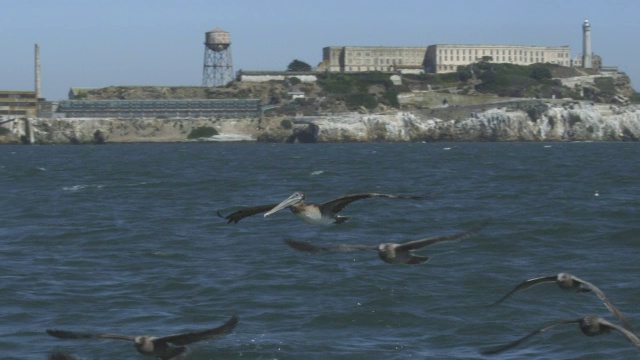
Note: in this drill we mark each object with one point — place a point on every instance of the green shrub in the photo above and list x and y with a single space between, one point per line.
605 84
464 73
390 97
533 114
98 137
202 132
4 131
340 84
298 65
294 80
286 124
539 72
574 118
355 101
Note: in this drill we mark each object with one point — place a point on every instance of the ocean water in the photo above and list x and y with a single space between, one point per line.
125 239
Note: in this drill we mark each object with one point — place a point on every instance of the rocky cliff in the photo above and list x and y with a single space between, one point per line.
546 122
569 121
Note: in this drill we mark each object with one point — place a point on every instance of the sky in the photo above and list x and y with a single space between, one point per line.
100 43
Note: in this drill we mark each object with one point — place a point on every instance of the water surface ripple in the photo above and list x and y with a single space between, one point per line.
125 239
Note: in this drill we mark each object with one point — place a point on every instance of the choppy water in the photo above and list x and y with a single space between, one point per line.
125 239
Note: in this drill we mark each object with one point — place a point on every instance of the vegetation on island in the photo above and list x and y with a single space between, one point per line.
374 91
298 65
202 132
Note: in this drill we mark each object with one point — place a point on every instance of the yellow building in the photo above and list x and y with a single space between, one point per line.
439 58
371 58
443 58
18 104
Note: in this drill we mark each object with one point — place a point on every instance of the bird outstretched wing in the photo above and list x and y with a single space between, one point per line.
630 335
305 246
336 205
417 244
236 216
527 284
188 338
63 334
612 308
517 342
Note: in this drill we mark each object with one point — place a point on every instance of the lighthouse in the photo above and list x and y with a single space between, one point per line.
586 45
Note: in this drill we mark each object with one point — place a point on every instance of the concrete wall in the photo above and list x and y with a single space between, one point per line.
281 77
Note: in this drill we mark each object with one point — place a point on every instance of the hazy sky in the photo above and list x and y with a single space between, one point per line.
85 43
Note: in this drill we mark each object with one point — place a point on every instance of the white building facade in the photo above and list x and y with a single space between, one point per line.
443 58
372 58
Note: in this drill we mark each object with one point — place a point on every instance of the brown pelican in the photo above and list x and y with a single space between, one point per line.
569 282
60 356
315 214
157 346
388 252
590 326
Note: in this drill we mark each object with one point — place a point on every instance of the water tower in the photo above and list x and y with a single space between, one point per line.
218 67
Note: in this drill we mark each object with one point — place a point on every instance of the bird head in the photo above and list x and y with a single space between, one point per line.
295 198
143 344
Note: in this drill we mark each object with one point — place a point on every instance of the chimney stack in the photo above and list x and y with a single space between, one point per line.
37 64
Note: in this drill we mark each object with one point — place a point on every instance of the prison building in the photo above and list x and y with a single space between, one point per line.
372 58
443 58
18 104
160 108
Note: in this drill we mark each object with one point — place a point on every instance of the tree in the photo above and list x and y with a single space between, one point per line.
298 65
540 72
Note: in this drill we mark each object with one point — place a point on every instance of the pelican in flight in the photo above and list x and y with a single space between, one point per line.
589 325
569 282
60 356
160 347
315 214
389 252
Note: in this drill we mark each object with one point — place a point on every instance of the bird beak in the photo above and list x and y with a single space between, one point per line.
291 200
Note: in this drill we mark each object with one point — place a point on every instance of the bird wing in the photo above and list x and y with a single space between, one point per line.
188 338
336 205
504 347
417 244
236 216
527 284
631 336
305 246
63 334
612 308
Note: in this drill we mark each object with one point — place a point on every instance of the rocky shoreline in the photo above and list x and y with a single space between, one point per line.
542 121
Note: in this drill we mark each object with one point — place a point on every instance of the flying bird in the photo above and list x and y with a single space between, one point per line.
569 282
315 214
389 252
589 325
160 347
60 356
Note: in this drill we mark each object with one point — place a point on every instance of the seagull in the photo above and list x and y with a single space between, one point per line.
589 325
389 252
157 346
569 282
315 214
